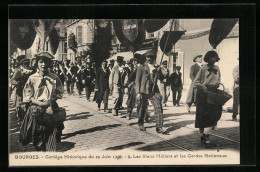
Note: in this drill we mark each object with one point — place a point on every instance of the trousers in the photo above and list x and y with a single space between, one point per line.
156 101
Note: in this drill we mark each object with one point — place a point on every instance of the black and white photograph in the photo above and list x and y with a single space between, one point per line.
129 91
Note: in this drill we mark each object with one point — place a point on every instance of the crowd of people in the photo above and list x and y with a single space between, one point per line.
40 81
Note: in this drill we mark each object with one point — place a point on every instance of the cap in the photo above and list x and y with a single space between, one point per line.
20 58
195 57
150 53
23 61
44 54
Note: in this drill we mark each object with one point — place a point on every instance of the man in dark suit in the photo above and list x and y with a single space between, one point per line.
102 85
194 69
116 84
147 89
87 78
176 85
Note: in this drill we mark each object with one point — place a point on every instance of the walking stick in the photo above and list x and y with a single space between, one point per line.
156 74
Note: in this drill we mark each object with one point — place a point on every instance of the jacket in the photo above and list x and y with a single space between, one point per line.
194 69
145 81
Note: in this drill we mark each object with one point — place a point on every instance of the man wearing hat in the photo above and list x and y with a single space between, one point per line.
147 89
18 81
116 84
194 69
176 86
163 82
111 65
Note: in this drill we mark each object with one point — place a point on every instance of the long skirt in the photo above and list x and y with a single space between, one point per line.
44 138
207 115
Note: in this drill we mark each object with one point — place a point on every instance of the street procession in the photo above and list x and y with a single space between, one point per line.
115 84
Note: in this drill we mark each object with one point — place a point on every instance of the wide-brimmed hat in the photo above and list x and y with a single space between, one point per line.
137 55
210 54
196 56
120 59
44 54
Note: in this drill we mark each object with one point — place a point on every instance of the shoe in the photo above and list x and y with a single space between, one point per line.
147 120
188 109
178 104
129 116
141 127
215 127
165 105
105 110
205 139
234 119
115 113
159 130
98 109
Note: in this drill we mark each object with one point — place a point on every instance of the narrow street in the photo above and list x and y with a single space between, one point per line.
89 129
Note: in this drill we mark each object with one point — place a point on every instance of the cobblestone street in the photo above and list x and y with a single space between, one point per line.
89 129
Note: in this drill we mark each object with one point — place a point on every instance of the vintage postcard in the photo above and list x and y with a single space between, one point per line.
124 92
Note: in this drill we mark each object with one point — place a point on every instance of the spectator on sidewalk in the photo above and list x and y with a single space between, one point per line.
176 86
194 69
235 93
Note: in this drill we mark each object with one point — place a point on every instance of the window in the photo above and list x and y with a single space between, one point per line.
79 35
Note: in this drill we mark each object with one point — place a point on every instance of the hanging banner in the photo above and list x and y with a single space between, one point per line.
130 33
173 38
54 41
43 28
22 33
152 25
220 28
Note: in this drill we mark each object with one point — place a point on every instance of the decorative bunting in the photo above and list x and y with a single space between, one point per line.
54 41
22 33
152 25
173 38
220 28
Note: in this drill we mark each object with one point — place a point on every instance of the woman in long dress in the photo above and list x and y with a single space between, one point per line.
41 91
207 79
